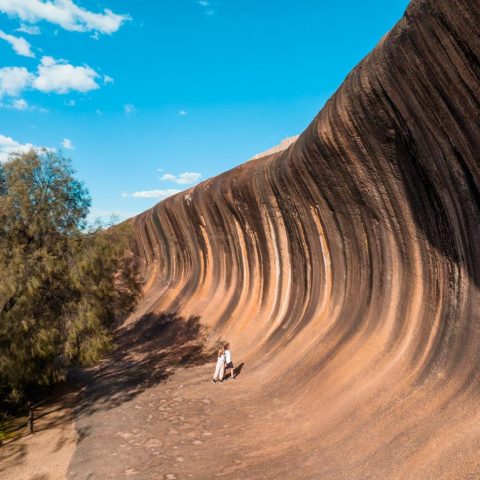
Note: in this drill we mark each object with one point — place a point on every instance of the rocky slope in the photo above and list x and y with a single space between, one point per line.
345 269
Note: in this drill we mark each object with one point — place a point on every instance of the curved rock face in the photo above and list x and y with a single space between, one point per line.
345 269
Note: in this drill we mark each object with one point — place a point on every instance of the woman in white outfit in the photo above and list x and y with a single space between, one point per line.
220 367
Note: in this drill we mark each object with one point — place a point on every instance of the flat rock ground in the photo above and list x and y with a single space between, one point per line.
151 412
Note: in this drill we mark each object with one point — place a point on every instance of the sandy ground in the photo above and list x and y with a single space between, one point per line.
45 455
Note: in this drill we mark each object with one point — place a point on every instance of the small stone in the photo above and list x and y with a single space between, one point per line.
153 443
197 442
206 401
170 476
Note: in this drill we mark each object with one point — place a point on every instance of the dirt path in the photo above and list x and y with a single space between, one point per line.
46 454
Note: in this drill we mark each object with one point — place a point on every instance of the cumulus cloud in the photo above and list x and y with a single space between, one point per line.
29 29
205 4
107 80
64 13
159 194
67 144
20 104
19 44
185 178
13 80
109 216
60 77
9 147
129 109
56 76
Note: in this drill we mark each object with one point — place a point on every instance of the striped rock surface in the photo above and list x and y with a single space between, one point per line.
346 269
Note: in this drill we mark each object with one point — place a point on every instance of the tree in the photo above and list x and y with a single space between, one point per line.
61 285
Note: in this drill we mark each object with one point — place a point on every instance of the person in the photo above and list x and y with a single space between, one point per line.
228 360
220 367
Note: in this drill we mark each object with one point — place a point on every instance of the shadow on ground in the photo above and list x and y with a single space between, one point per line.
147 353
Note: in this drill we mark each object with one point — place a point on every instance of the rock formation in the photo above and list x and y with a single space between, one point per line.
346 268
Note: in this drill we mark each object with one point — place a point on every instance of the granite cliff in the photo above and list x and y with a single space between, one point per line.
345 269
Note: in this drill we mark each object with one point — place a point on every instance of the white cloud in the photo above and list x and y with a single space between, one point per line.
53 75
107 79
29 29
60 77
205 4
8 147
64 13
182 113
67 144
185 178
20 104
19 44
160 194
109 216
70 103
129 109
13 80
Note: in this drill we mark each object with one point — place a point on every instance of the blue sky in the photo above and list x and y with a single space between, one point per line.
150 97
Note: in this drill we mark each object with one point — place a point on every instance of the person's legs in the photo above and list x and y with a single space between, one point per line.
221 373
216 375
230 367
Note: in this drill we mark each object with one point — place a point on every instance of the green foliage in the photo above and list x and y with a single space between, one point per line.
61 286
3 182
